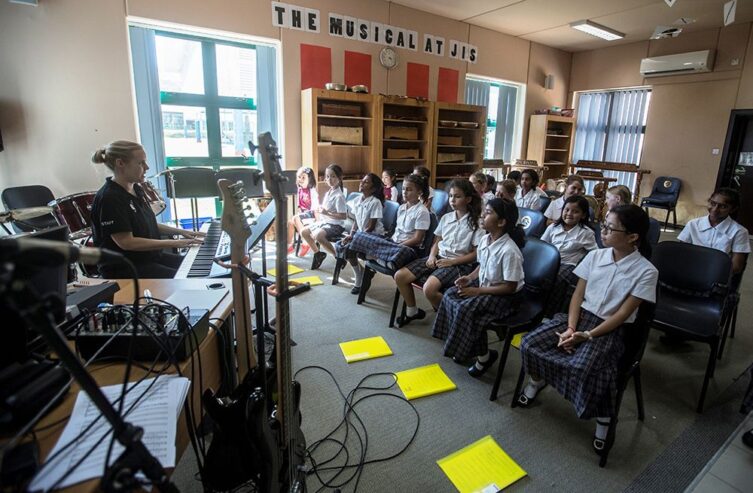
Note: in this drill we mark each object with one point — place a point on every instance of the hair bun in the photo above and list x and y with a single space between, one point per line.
99 155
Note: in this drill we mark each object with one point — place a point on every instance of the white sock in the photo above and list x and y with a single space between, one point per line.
411 310
359 274
533 388
484 357
601 429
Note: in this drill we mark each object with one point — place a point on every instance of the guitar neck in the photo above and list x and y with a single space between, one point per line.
246 359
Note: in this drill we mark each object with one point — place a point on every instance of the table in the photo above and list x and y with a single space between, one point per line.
113 374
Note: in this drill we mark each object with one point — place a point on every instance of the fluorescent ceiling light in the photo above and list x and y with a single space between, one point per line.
597 30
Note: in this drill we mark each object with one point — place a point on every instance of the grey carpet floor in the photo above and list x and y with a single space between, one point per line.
547 440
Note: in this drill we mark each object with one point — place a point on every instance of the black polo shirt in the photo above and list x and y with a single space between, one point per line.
114 210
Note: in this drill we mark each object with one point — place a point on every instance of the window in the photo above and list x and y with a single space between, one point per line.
610 127
504 116
200 100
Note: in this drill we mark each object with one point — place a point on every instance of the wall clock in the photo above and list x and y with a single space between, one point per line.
388 58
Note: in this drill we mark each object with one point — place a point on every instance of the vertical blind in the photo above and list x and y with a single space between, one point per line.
478 92
610 127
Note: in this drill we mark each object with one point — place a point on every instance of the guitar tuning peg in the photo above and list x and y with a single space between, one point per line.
252 147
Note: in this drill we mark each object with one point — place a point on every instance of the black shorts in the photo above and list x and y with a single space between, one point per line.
333 232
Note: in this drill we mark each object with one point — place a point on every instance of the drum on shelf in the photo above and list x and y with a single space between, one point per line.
74 211
153 198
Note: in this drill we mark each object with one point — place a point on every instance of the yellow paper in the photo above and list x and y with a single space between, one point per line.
516 340
292 269
481 467
313 280
423 381
361 349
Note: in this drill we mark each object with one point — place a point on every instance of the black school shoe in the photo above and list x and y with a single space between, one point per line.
318 259
748 438
402 321
475 372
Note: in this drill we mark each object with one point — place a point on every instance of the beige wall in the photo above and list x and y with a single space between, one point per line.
688 114
65 86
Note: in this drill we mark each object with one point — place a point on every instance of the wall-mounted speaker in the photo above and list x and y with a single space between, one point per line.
549 82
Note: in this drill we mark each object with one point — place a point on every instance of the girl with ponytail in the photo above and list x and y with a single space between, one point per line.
578 352
488 293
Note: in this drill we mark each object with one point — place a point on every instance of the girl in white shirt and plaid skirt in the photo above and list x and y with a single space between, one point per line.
578 352
488 293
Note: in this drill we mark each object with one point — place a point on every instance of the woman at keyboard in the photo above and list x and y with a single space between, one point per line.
123 221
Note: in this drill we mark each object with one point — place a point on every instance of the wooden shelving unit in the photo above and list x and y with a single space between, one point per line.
353 113
466 145
404 134
550 143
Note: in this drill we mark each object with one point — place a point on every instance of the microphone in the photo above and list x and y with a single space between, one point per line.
47 252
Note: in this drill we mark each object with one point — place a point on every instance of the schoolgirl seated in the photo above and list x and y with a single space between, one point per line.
515 176
367 210
491 186
330 217
529 193
390 190
506 189
490 292
574 239
413 220
452 255
478 180
718 230
307 200
425 173
573 186
578 352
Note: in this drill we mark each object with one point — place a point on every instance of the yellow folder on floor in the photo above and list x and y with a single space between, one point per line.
361 349
516 340
481 467
312 280
423 381
292 269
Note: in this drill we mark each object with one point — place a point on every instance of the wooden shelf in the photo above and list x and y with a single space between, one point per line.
403 140
460 128
554 163
550 142
325 145
442 146
399 120
558 135
557 150
344 117
392 160
469 163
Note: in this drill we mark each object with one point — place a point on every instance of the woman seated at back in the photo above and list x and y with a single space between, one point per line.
413 220
574 239
718 230
529 194
578 352
573 186
618 195
452 255
488 293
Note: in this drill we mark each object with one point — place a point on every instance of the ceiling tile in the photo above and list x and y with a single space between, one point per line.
454 9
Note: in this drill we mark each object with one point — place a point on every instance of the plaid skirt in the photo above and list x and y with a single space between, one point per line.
462 322
374 246
587 377
333 232
446 275
748 399
559 298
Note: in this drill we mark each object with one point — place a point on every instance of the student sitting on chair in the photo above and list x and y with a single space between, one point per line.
425 173
488 293
413 220
506 189
573 186
452 255
618 195
529 193
478 180
390 190
308 202
578 352
330 217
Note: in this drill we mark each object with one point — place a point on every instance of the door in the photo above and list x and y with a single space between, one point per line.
736 167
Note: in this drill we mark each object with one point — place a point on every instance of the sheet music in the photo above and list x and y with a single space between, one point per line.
156 412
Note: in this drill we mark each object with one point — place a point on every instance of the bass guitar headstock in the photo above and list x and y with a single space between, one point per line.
236 218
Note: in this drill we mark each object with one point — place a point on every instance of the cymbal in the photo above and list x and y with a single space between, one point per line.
165 172
23 214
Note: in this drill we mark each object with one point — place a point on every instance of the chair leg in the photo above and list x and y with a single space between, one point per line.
734 322
518 386
726 323
638 393
336 272
368 274
674 218
666 220
501 366
709 374
395 302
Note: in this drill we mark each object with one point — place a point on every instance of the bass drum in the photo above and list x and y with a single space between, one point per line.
153 198
74 211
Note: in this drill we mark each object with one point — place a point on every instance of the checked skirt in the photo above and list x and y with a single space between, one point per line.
446 275
374 246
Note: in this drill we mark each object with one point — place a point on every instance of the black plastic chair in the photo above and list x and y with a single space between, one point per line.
533 222
691 301
29 196
372 267
544 201
733 303
664 195
654 231
634 336
541 262
440 202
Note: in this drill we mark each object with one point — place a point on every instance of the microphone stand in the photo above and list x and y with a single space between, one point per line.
120 476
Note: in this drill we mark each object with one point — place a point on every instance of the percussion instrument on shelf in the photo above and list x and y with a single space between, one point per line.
74 211
153 198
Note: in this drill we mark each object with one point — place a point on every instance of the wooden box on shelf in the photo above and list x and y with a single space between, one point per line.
338 128
550 142
405 134
459 141
396 153
400 133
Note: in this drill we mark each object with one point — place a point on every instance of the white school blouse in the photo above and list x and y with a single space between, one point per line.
728 236
529 200
456 236
609 283
574 244
365 209
334 200
499 261
554 211
409 219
